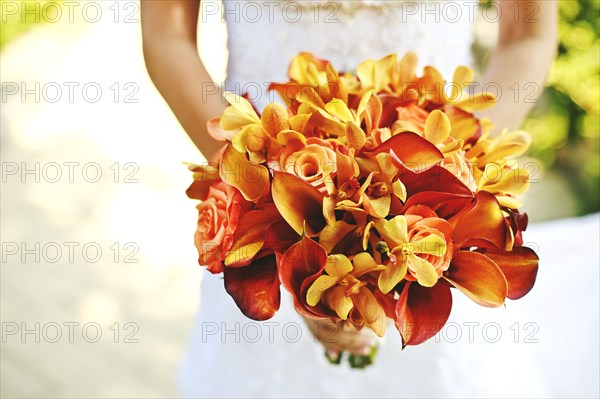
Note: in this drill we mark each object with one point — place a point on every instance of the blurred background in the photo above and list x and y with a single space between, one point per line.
99 280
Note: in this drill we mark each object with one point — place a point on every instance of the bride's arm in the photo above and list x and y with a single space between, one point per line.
169 36
519 63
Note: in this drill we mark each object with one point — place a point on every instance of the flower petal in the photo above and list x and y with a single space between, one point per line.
437 127
464 125
215 130
483 221
338 265
452 147
240 104
388 303
346 166
286 136
477 102
520 268
436 178
478 277
337 107
251 138
369 111
355 136
371 311
462 76
299 70
424 270
394 231
445 205
514 181
318 288
280 236
415 152
364 263
251 179
393 273
508 145
255 289
366 72
337 301
204 176
433 244
334 233
301 261
378 207
421 312
250 235
300 204
386 166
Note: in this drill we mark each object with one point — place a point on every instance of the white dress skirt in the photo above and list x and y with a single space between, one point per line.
543 345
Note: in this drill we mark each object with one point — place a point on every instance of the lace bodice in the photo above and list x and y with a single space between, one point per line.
263 36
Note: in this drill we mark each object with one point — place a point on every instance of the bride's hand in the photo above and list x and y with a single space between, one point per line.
341 337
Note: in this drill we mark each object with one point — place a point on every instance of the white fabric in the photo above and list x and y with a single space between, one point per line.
231 356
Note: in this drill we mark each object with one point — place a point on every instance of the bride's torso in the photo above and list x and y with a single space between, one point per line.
264 35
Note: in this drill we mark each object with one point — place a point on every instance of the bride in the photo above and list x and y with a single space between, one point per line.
230 355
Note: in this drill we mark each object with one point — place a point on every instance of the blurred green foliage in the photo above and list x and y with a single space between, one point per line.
565 124
14 21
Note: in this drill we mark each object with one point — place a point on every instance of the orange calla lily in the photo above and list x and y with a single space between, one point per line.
255 289
484 221
299 203
251 235
298 268
478 277
415 152
421 312
519 266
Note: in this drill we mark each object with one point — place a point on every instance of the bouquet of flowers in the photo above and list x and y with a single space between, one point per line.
369 197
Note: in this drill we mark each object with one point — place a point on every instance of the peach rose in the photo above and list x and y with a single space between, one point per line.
307 161
217 221
422 223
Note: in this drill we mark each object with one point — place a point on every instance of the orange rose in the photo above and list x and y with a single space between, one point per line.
423 223
307 161
218 217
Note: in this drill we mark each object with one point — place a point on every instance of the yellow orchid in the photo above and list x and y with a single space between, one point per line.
388 74
497 172
342 290
314 76
248 132
416 247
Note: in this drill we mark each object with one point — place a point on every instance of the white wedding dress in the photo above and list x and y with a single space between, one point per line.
543 345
